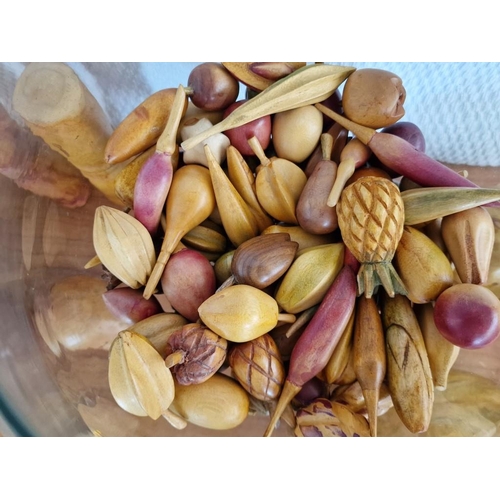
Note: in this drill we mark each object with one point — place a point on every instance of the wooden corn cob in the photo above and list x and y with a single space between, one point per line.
371 219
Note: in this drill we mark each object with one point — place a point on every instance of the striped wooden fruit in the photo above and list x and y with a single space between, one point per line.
371 219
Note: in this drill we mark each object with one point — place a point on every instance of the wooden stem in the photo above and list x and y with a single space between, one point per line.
326 146
303 318
158 269
364 134
229 282
167 142
94 261
287 318
287 394
254 143
176 358
371 399
344 173
174 420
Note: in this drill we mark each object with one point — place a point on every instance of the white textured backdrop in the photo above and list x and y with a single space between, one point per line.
457 105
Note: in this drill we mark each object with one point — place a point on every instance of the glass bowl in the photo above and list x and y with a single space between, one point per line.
55 330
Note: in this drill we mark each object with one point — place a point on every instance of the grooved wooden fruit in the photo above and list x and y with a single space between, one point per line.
371 220
258 367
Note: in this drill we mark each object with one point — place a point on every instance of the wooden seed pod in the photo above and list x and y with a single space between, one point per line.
203 353
258 367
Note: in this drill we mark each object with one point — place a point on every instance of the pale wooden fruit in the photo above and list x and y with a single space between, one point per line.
240 313
138 378
190 201
309 277
423 267
219 403
409 375
123 245
278 184
442 353
158 328
296 132
469 237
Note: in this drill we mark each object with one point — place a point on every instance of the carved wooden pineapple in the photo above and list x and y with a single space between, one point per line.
371 219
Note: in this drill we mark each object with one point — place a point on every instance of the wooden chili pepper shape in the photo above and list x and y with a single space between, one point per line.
371 216
155 177
427 204
400 156
369 355
190 201
194 354
315 346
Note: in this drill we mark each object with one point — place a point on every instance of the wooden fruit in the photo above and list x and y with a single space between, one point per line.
257 365
241 313
371 218
423 267
309 277
218 403
190 201
278 185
